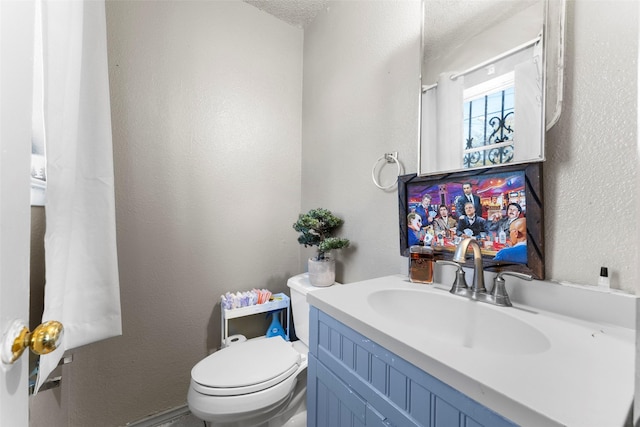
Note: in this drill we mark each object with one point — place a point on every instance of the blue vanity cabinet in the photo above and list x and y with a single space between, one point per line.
352 382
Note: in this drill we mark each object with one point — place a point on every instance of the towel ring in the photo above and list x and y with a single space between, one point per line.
390 158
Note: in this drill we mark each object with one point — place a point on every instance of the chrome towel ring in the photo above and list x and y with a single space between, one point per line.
390 158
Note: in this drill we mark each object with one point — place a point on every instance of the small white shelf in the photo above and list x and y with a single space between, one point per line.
279 301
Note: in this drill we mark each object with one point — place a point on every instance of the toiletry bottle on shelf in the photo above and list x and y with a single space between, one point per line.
603 280
275 329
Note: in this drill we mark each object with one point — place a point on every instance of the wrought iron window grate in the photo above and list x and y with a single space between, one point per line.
489 129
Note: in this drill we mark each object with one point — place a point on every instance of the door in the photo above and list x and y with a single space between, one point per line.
16 53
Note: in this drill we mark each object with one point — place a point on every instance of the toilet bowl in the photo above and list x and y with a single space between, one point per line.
259 382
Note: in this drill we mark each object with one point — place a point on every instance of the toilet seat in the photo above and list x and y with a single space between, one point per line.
247 367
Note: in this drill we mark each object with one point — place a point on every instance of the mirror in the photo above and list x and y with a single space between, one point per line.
491 82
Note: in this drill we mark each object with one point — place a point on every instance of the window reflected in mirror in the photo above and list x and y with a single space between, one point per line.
489 123
469 118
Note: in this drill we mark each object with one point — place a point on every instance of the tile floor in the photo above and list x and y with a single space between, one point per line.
187 420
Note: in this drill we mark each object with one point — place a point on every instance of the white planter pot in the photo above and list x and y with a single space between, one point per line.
322 273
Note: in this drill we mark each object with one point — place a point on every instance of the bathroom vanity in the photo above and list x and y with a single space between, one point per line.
355 382
389 352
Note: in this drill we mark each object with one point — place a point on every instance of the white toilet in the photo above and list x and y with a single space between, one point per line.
260 382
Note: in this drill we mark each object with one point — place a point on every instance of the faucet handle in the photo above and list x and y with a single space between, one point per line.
522 276
460 284
499 291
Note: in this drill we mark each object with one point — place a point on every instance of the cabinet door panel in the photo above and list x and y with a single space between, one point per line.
445 414
330 402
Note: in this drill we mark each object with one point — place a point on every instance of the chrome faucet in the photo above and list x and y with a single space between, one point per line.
478 291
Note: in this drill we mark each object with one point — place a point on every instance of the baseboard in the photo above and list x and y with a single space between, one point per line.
159 418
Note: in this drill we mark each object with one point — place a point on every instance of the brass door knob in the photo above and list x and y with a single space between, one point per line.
44 339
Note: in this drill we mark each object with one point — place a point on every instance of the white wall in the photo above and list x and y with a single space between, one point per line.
590 176
206 102
361 94
359 103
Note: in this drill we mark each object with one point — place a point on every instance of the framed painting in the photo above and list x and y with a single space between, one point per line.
502 208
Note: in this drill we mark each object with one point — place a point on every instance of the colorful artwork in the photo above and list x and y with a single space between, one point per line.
501 208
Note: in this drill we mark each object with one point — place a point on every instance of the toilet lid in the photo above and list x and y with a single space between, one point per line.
247 364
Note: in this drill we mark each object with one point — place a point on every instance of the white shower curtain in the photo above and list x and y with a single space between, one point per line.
442 125
82 288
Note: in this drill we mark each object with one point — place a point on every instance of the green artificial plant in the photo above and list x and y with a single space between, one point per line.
316 228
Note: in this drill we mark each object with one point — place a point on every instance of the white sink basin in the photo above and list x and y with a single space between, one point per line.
458 320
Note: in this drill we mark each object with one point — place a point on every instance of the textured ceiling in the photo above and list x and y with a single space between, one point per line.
460 20
452 20
295 12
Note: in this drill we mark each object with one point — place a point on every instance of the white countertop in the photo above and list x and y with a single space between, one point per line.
585 378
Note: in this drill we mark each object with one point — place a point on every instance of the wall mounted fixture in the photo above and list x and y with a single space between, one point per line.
390 158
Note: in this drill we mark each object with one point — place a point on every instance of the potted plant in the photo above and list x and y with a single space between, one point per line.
316 228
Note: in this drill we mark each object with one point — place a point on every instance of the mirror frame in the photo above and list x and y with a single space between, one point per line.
534 214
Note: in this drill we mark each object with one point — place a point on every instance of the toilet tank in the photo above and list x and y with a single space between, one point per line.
300 286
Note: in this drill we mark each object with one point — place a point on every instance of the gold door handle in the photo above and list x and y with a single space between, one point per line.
44 339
